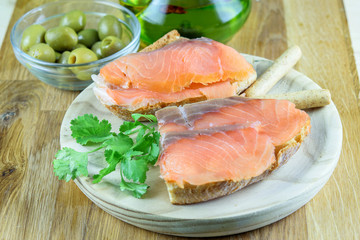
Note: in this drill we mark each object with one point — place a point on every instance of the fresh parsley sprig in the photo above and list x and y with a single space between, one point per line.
133 156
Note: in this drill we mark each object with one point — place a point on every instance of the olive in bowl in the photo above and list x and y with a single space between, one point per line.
75 19
42 52
32 35
109 25
61 74
88 37
61 38
110 45
64 57
96 48
79 56
82 55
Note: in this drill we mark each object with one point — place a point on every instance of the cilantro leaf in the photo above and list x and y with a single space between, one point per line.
113 158
136 117
88 128
69 164
149 145
128 127
132 153
156 136
140 134
119 143
154 154
144 143
135 169
137 190
134 156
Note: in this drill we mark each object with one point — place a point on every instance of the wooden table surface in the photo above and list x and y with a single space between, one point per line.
35 205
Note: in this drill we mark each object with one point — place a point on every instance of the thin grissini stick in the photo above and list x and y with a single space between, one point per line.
274 73
304 99
170 37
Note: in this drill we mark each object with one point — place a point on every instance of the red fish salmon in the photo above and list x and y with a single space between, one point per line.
200 158
227 142
182 71
279 118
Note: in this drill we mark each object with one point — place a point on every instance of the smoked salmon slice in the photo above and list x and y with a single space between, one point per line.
181 72
279 118
201 157
134 98
177 66
213 148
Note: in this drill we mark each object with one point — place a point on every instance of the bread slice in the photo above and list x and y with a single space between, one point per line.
170 37
190 194
125 113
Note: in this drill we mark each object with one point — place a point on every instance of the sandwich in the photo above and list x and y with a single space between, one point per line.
216 147
172 72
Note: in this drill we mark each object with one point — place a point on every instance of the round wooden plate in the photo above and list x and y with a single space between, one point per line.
283 192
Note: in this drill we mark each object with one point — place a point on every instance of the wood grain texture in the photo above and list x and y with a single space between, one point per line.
34 205
335 70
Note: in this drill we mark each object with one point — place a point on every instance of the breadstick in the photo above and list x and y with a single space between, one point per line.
304 99
164 40
274 73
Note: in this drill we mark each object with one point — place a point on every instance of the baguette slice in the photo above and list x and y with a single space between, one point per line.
189 194
125 111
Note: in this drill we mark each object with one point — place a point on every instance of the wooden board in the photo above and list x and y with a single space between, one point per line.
35 205
260 204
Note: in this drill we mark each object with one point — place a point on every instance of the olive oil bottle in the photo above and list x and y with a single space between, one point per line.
136 6
215 19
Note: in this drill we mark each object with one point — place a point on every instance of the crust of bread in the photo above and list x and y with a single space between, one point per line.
172 36
244 84
194 194
125 113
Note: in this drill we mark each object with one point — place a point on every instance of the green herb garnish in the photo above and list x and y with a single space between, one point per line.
134 156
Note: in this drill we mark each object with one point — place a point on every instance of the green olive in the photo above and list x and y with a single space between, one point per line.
79 45
64 60
85 74
96 48
61 38
42 52
88 37
109 25
110 45
64 57
57 56
75 19
32 35
82 55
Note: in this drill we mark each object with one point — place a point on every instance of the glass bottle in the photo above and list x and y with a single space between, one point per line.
215 19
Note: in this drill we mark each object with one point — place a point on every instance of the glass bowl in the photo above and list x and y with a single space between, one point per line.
73 76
